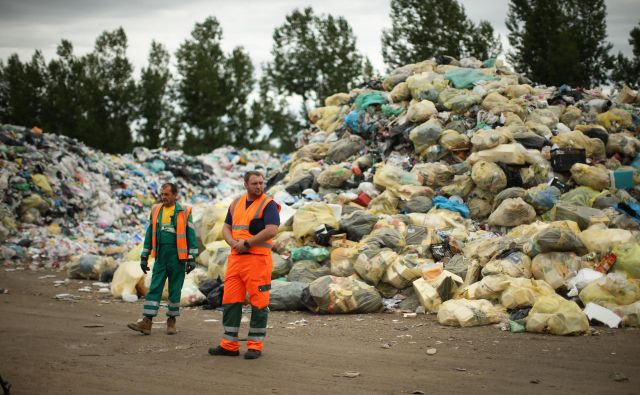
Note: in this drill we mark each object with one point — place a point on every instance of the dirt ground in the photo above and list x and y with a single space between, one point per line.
84 347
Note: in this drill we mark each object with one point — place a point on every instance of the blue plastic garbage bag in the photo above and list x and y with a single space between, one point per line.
451 205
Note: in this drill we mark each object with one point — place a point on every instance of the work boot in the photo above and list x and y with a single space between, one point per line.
252 354
171 326
143 326
223 352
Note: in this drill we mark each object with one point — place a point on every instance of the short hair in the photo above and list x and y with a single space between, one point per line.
174 188
250 173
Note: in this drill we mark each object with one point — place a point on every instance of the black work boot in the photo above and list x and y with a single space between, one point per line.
252 354
223 352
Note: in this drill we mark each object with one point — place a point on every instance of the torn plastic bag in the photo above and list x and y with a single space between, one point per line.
458 265
615 288
511 263
466 313
371 269
340 295
403 271
432 292
307 271
357 225
286 296
555 267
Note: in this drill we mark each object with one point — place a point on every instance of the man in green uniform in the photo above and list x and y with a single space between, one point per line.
171 239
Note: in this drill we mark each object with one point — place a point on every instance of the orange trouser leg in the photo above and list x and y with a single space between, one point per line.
246 273
258 286
232 301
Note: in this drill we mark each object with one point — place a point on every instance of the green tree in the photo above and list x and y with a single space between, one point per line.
556 43
627 70
422 29
108 92
23 86
314 56
155 109
63 99
212 90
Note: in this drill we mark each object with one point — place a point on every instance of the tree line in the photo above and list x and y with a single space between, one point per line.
212 98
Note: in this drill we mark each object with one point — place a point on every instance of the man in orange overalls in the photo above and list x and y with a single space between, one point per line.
252 222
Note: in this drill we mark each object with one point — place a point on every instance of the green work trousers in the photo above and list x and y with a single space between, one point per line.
166 266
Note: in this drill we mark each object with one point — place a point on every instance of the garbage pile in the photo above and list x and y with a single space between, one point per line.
458 188
62 201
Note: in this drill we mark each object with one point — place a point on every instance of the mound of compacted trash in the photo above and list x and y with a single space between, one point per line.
460 188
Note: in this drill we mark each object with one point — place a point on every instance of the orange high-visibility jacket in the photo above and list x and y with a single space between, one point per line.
181 230
241 217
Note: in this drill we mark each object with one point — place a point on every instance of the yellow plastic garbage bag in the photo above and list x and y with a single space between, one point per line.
310 216
400 93
466 313
512 212
210 225
343 260
421 111
598 238
484 139
403 271
190 294
557 315
595 177
128 281
510 154
514 264
371 269
628 259
555 267
614 288
425 135
630 313
42 182
524 292
431 292
575 139
214 257
488 176
615 119
489 288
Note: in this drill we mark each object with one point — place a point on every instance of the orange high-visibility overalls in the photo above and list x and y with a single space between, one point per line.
247 273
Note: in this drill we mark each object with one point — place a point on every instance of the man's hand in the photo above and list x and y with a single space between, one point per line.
240 247
191 264
144 265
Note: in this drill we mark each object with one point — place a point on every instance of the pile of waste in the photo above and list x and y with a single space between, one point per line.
458 188
62 200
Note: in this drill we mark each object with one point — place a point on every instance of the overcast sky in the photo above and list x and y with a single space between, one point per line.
26 25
